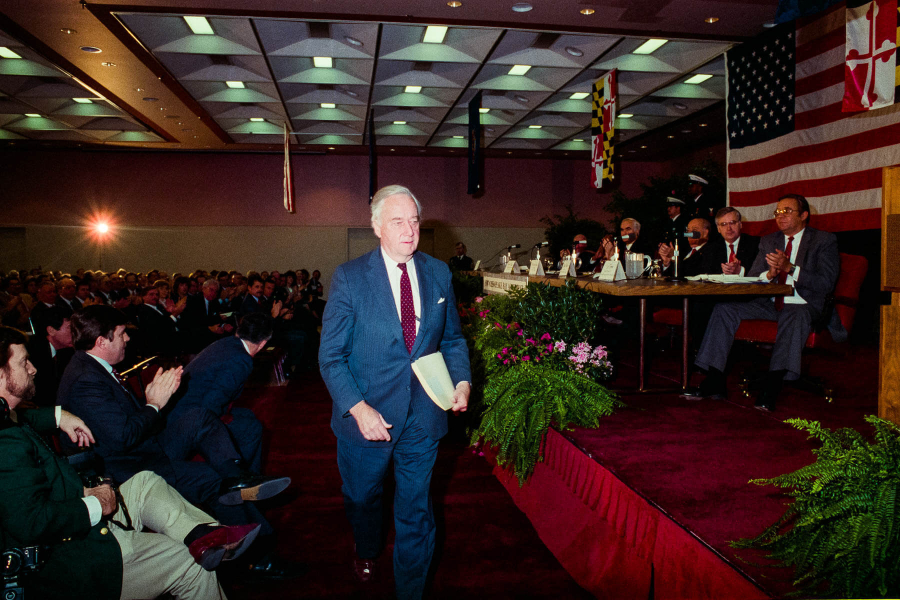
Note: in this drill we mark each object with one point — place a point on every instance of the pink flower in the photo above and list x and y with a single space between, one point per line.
506 351
479 299
530 341
506 362
549 347
526 357
498 325
521 333
545 337
560 346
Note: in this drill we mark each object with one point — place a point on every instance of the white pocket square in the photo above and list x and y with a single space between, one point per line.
440 301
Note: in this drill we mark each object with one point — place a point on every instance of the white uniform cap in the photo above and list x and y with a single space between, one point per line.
698 179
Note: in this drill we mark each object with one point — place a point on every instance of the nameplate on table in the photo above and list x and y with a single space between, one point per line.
612 271
512 267
501 283
536 268
567 269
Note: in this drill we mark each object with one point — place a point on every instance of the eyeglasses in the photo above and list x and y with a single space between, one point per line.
728 223
783 211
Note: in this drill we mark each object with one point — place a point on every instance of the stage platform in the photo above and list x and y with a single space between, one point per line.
645 505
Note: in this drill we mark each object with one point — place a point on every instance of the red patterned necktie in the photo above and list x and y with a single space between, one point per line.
731 256
782 277
407 310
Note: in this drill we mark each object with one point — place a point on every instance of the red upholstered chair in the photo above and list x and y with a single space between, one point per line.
846 299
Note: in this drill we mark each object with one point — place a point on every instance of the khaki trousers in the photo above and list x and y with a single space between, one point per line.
158 563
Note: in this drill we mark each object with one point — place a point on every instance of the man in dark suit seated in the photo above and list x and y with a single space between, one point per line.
215 379
699 260
84 550
253 301
630 240
50 349
202 319
734 251
66 299
807 259
133 436
159 335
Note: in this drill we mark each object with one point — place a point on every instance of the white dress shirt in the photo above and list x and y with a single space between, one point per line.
394 274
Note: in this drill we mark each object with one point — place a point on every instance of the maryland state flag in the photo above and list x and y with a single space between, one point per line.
603 120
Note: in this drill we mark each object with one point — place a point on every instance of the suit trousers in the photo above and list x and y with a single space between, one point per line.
363 470
158 563
794 324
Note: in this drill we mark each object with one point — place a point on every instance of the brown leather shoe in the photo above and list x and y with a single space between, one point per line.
364 570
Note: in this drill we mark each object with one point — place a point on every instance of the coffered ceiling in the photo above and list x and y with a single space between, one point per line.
195 76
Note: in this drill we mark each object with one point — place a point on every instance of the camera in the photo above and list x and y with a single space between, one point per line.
92 480
15 565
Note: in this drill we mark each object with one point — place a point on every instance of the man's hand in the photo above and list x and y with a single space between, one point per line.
276 309
163 386
107 497
609 246
75 428
461 396
371 424
778 262
666 252
732 268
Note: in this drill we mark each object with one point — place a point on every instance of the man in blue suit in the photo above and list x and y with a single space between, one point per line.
385 310
215 379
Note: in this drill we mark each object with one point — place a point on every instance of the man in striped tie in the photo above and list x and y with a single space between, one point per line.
385 310
806 259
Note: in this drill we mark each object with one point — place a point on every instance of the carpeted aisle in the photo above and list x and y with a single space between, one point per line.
486 547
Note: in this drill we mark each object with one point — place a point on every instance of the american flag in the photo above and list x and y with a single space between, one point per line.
803 143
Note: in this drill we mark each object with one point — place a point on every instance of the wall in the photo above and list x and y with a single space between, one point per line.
182 211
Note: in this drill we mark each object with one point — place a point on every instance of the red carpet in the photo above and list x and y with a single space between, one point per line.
486 547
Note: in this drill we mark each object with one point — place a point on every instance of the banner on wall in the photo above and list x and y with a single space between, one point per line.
603 121
288 174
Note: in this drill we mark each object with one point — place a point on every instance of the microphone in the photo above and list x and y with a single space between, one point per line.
514 246
581 242
626 237
541 244
691 235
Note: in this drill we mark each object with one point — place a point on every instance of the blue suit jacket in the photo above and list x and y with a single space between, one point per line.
363 356
215 377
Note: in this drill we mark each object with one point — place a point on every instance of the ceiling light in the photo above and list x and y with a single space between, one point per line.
68 31
353 41
671 137
413 89
535 126
679 105
91 49
399 122
82 100
519 69
459 137
579 96
685 131
7 53
32 115
199 25
768 25
351 93
484 110
702 124
256 119
331 147
149 99
587 11
521 7
328 105
574 51
108 64
521 98
624 116
454 4
710 19
434 34
578 140
649 47
700 78
323 62
643 147
237 85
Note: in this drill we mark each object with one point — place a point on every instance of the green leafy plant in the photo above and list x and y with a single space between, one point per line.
568 312
521 402
466 287
842 532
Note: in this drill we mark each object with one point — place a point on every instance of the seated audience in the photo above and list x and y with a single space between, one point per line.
202 320
132 436
157 330
807 259
50 349
45 504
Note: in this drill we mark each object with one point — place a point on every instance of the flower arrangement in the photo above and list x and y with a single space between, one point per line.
535 363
